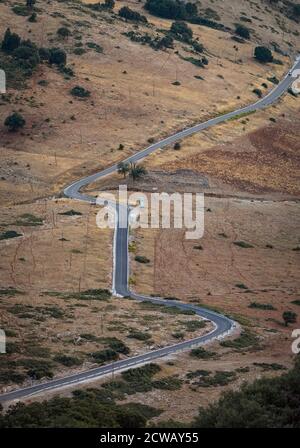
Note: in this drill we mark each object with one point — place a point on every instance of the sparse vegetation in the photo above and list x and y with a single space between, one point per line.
289 317
202 353
245 341
262 306
67 361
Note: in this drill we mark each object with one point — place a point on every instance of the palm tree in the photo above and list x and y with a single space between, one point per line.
123 168
136 171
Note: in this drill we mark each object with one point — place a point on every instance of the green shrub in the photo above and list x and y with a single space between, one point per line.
296 302
44 54
289 317
193 325
10 376
168 383
273 80
241 286
57 56
242 31
68 361
139 335
220 378
10 42
9 291
27 219
80 92
105 355
95 47
145 372
63 32
14 122
129 14
263 54
269 366
117 345
32 18
243 244
181 31
262 306
171 9
37 369
245 340
9 234
141 259
258 92
79 51
71 213
20 10
201 353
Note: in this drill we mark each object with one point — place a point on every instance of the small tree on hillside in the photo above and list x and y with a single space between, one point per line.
296 10
14 122
57 56
30 3
109 4
289 317
242 31
181 31
10 42
191 9
263 54
123 168
63 32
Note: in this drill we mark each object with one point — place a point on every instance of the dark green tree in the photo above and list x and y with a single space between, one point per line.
191 9
243 31
263 54
57 56
14 122
289 317
129 14
10 42
27 55
63 32
182 31
296 10
80 92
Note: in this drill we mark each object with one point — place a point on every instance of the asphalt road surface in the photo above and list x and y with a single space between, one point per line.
222 324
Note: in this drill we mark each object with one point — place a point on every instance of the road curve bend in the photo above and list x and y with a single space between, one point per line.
223 325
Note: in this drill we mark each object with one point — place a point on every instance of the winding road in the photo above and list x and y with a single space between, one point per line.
222 324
